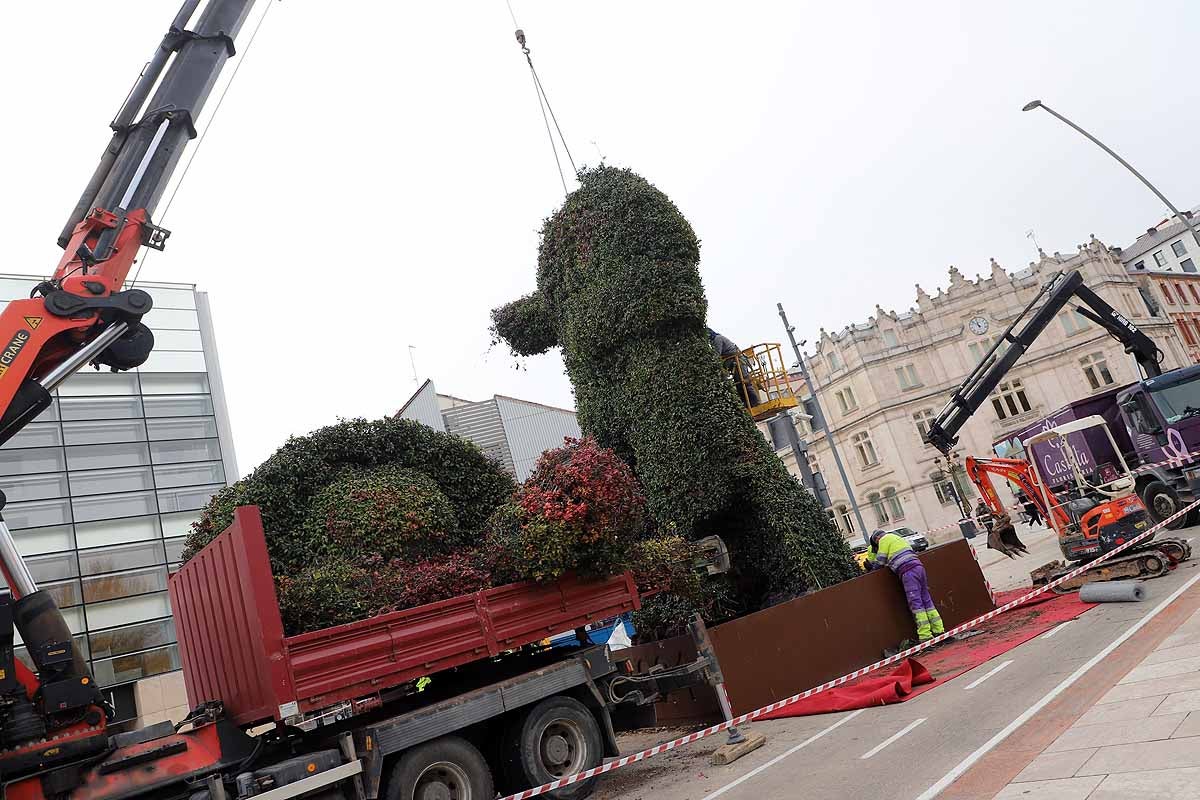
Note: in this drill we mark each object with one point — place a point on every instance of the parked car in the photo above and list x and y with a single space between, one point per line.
917 540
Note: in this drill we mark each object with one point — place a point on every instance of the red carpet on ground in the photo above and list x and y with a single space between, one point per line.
912 677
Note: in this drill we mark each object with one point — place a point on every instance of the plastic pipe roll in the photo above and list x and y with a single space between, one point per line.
1112 592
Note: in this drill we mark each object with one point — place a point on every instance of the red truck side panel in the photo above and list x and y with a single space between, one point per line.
233 649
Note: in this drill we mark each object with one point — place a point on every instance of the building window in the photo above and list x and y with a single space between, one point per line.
907 375
1196 323
922 419
1009 399
846 401
845 517
1139 265
875 500
1159 258
1187 265
867 457
981 348
895 509
890 339
1195 296
1187 333
1179 249
1166 290
1179 291
1072 321
1095 368
942 487
835 361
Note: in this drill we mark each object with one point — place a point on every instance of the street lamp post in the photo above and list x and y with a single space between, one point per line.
824 426
1030 106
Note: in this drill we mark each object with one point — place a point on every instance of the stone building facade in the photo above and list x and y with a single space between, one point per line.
1163 260
881 382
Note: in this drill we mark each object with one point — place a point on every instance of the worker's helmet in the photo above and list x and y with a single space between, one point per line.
876 535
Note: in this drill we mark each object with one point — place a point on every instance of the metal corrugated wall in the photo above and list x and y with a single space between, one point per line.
480 423
532 429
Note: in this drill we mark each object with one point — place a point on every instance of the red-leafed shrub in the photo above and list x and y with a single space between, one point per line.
582 510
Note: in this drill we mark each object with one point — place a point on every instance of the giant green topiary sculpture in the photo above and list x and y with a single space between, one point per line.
619 290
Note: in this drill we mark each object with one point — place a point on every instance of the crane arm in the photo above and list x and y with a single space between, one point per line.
1021 334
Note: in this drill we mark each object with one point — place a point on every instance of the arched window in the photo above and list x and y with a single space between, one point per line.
875 500
895 509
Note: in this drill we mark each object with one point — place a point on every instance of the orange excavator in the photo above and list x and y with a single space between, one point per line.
1091 515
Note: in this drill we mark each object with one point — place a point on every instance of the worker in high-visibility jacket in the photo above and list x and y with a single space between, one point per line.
893 551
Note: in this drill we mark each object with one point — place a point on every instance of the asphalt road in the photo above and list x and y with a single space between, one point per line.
896 751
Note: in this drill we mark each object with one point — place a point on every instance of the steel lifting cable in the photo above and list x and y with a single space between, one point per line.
544 104
200 141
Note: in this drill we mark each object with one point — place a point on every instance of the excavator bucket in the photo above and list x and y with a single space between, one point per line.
1003 537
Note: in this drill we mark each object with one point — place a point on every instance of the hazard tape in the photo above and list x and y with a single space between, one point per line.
625 761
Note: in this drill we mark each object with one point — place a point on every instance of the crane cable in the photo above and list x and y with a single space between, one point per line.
200 141
544 104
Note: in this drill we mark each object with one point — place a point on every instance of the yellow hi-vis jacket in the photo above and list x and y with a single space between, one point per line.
893 551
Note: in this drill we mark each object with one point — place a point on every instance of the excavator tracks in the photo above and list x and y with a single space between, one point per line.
1147 560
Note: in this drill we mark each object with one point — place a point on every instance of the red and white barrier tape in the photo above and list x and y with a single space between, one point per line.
858 673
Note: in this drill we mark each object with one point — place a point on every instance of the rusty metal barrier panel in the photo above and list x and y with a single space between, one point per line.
695 704
790 647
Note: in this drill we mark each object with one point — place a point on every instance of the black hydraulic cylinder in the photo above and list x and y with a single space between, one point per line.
40 623
130 176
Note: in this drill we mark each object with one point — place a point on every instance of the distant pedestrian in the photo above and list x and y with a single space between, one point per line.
983 515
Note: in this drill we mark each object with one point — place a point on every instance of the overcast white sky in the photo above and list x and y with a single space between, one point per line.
378 172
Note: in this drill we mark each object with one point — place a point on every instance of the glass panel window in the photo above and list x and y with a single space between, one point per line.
80 643
37 513
1072 321
103 432
174 383
92 384
56 567
114 585
1160 258
942 487
895 509
1186 331
187 499
136 666
100 407
846 400
37 487
890 339
177 340
54 539
172 319
109 481
1187 265
50 413
1140 265
1182 296
186 450
175 549
125 556
867 457
130 609
1166 292
875 500
847 518
36 434
1095 369
922 419
1010 399
27 462
835 361
179 406
65 593
907 375
174 361
132 638
1178 249
171 476
165 297
95 456
111 506
116 531
182 428
179 524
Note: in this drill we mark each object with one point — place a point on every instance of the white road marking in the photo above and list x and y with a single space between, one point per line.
892 738
1050 633
964 765
784 755
980 680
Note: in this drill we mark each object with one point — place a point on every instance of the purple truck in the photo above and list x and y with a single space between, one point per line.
1155 422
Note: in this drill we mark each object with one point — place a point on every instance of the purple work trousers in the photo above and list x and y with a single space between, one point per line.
916 589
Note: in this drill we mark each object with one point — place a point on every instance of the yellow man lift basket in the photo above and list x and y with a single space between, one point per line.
761 377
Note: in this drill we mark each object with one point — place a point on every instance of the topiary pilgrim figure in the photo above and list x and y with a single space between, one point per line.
618 288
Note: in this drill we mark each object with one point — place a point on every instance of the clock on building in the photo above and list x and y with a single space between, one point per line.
978 325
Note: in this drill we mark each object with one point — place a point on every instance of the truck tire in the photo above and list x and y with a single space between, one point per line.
557 737
1161 502
449 768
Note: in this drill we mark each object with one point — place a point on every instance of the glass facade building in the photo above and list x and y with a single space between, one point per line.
105 484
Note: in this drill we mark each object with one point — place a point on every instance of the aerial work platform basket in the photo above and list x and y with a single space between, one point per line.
761 378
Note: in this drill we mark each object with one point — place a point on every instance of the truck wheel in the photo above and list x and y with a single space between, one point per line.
449 768
1162 502
556 738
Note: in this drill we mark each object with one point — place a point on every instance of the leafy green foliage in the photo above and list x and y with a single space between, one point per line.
618 278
